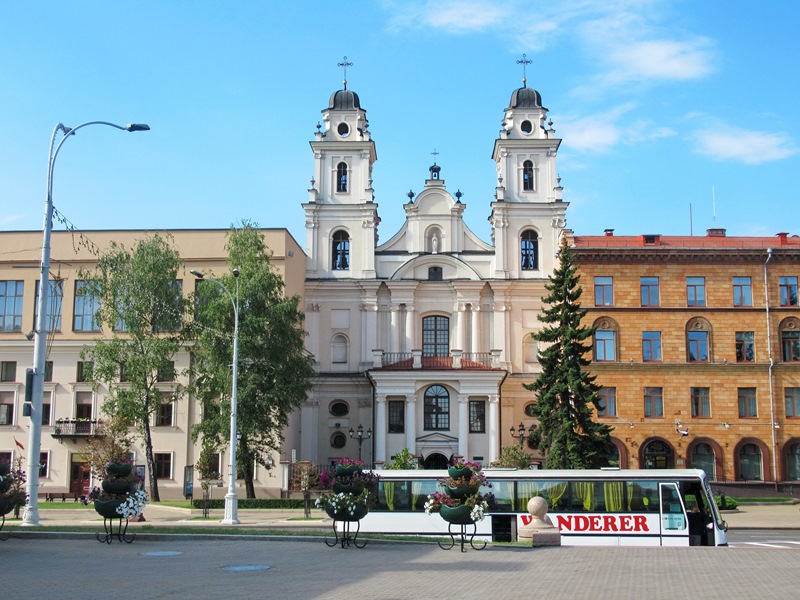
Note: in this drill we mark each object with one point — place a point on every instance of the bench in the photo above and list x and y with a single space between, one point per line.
52 496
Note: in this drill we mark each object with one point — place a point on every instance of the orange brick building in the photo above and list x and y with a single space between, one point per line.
700 366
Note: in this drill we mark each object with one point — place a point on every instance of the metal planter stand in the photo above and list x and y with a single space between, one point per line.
346 539
462 536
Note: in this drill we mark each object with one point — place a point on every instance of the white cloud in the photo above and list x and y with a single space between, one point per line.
456 16
727 143
8 219
661 59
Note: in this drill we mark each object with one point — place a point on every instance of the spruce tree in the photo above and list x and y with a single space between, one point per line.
566 393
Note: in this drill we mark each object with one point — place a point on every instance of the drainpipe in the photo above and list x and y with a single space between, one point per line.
771 369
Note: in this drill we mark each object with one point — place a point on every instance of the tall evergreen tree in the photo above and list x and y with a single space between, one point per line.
142 303
565 392
274 369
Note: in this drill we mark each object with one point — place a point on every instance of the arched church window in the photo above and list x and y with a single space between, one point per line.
529 250
339 349
340 251
437 409
341 177
435 337
528 182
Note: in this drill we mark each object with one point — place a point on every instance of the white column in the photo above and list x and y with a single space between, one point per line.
499 331
475 333
380 428
458 327
309 425
463 426
411 424
410 328
394 328
370 330
494 426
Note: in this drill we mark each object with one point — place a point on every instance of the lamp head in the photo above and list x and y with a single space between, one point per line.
137 127
236 273
197 273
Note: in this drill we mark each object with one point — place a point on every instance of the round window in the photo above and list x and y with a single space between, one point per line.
526 126
343 129
338 440
339 408
529 409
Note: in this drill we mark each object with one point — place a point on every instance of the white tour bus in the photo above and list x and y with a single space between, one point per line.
607 507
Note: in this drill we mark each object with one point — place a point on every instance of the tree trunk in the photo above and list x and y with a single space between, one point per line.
151 463
249 483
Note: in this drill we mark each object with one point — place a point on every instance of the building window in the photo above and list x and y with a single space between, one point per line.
397 416
55 299
46 411
651 346
745 346
604 291
653 402
477 416
695 291
605 343
338 440
167 372
530 409
435 337
48 370
163 462
341 177
750 463
790 344
697 346
435 273
340 251
528 180
11 305
747 402
170 317
648 287
792 396
84 372
437 409
793 462
701 402
529 250
8 370
165 414
339 349
608 402
6 408
86 307
83 410
742 291
44 464
703 458
788 289
339 408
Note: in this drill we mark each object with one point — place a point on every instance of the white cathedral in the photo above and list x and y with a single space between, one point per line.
423 342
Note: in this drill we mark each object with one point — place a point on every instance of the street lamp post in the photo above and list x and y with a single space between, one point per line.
31 515
231 499
521 434
360 437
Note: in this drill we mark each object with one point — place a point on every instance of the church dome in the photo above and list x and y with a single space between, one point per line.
525 97
345 100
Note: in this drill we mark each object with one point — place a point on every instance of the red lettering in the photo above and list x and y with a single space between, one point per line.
526 519
564 523
596 524
640 523
609 523
581 522
625 523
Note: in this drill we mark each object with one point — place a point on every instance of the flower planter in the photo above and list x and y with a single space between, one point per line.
456 473
119 469
360 512
108 508
458 515
339 488
119 487
347 470
462 491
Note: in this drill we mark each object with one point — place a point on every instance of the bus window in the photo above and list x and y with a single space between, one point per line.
643 496
673 517
503 492
420 489
392 495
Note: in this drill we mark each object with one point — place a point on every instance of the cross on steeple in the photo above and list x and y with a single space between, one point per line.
344 64
524 62
435 154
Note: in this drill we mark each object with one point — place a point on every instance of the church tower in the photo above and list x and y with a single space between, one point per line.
341 217
528 212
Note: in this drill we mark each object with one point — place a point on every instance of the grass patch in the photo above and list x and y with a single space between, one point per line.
770 500
305 518
174 503
64 506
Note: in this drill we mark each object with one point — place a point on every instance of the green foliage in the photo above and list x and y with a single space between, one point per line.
566 394
141 302
207 464
284 503
275 371
403 460
512 457
112 444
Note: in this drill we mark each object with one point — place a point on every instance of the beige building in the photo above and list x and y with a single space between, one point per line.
71 406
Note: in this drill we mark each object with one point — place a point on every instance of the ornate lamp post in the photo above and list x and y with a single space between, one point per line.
360 436
31 515
519 434
231 499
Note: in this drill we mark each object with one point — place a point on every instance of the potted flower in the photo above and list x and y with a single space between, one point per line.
462 468
461 503
351 489
347 467
344 506
12 488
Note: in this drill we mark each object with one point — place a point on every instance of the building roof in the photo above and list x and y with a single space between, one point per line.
344 100
525 97
714 239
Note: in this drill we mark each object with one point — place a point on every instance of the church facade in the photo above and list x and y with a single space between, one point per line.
423 342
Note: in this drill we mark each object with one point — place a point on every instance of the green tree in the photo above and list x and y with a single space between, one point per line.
275 370
142 303
512 457
566 394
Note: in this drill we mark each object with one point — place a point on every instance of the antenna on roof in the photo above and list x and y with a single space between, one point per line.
713 204
690 219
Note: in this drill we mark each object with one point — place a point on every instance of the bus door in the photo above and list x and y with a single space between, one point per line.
674 524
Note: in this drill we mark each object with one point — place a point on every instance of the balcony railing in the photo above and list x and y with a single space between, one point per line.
75 428
407 361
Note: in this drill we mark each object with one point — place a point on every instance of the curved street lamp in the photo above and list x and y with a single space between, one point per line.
231 499
31 514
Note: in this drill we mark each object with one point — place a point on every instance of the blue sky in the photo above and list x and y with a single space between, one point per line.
657 102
